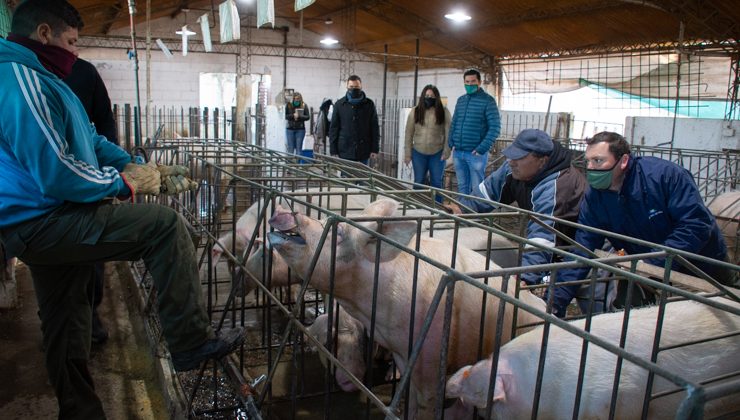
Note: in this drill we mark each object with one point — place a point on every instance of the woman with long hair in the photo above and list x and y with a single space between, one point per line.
426 139
296 115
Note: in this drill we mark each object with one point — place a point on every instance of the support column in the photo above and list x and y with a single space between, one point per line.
243 86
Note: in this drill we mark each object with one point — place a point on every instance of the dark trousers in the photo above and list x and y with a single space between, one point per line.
99 273
61 248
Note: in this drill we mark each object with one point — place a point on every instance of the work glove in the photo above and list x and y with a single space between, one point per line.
173 170
175 179
141 179
175 184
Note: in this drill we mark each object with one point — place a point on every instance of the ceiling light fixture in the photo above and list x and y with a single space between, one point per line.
328 21
329 41
458 17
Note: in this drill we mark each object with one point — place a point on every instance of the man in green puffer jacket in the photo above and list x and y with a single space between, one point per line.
475 125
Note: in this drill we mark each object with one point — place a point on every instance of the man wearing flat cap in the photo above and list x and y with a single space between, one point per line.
537 175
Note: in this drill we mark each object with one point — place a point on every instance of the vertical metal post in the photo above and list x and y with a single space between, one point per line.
678 90
385 94
416 71
127 125
137 109
148 110
733 86
285 57
205 122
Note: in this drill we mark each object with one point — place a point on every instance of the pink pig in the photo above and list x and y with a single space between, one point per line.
684 321
349 349
726 208
354 272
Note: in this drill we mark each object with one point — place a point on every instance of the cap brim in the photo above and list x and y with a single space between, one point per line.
513 152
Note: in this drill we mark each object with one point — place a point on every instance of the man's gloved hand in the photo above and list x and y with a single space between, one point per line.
141 179
176 184
173 170
175 178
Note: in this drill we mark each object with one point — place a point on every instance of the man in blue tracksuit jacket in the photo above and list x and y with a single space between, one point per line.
644 198
538 175
475 125
54 172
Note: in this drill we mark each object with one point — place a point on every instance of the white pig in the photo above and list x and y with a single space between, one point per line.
726 208
349 347
355 267
468 237
518 362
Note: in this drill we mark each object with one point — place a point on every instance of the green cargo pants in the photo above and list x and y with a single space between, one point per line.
60 249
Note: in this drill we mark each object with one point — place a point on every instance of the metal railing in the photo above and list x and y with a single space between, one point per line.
234 176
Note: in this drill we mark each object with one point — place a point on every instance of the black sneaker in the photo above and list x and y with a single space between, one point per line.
99 333
214 348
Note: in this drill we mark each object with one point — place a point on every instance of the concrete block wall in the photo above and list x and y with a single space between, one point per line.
314 79
448 81
175 81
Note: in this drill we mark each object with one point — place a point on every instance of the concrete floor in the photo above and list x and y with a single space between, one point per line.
122 368
125 373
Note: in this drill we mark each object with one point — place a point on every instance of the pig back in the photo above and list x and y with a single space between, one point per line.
726 209
684 321
469 308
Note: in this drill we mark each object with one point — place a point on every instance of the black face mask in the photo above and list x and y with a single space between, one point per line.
354 93
430 102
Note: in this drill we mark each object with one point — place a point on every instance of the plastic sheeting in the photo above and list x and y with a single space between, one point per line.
265 13
205 29
302 4
229 20
695 108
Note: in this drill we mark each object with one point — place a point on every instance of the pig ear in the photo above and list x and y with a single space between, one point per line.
216 252
341 233
380 208
499 394
401 232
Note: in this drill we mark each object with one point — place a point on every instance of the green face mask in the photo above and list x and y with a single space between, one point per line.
600 179
296 103
471 88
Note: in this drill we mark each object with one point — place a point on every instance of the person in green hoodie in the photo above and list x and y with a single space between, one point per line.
56 174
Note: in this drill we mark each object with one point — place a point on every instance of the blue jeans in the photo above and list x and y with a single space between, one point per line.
428 164
470 170
294 141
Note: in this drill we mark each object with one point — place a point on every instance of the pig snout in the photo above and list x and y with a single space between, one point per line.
278 239
344 382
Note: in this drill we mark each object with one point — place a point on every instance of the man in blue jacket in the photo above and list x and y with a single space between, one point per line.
475 125
55 171
644 198
538 175
86 83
